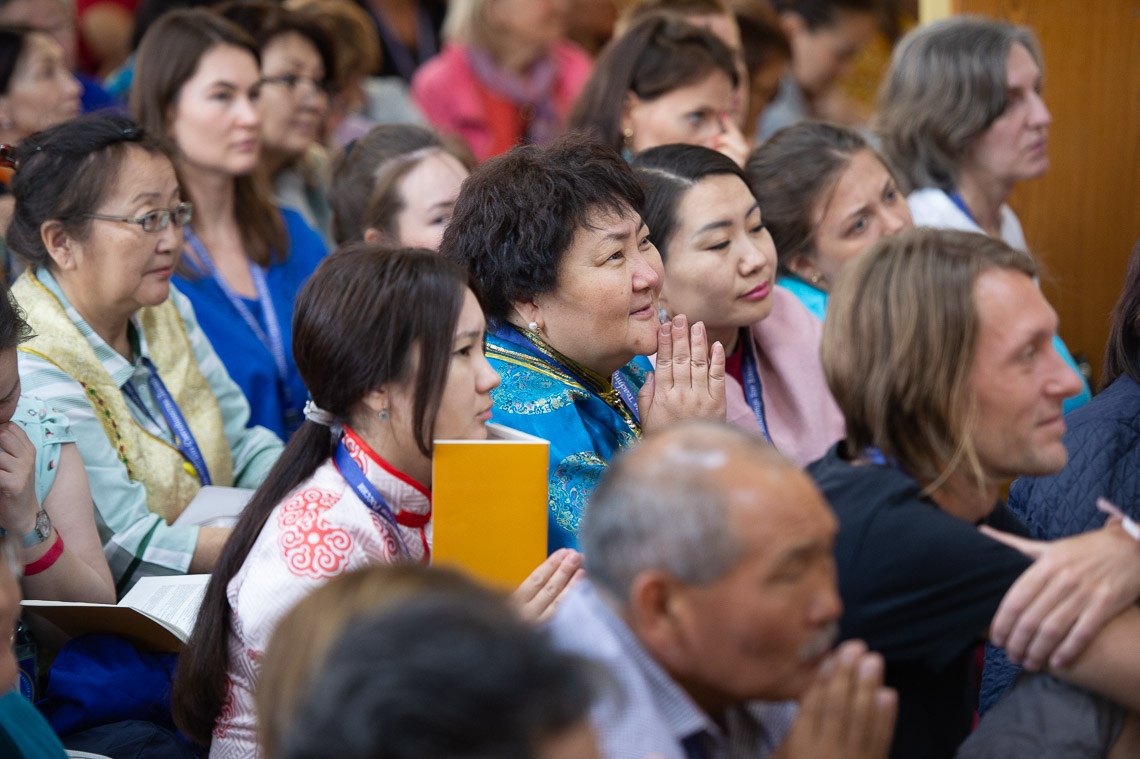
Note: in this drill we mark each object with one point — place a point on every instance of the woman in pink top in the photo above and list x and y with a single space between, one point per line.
506 76
720 268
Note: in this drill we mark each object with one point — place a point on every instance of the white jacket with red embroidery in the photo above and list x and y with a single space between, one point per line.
321 530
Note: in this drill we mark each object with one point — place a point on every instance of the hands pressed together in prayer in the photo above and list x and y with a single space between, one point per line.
689 379
846 713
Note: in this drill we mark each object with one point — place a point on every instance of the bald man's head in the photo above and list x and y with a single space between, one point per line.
718 554
666 504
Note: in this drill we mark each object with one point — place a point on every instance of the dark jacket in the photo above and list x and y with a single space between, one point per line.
1103 441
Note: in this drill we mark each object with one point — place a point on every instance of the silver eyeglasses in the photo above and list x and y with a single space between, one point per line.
152 221
291 81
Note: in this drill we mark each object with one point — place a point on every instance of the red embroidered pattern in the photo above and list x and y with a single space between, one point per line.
226 715
310 546
388 542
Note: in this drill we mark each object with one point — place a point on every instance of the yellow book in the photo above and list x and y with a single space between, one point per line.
489 504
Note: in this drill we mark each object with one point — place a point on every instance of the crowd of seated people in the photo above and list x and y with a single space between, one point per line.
784 384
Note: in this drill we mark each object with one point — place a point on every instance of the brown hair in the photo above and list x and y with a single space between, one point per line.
358 45
365 189
168 56
1122 355
304 637
792 171
660 53
358 323
898 347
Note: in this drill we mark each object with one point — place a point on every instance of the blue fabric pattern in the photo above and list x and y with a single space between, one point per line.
249 362
584 428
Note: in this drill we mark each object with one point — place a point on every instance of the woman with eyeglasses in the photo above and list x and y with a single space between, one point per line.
297 69
99 222
198 84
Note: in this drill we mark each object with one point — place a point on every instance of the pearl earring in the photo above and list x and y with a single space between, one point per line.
532 326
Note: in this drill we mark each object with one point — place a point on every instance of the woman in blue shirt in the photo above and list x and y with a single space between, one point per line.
198 80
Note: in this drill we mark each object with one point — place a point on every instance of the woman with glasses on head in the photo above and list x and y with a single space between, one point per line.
198 84
99 221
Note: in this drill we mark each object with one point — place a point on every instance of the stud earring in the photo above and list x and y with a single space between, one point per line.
383 415
532 326
662 315
815 278
627 144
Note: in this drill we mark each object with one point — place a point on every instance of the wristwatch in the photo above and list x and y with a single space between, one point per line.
39 533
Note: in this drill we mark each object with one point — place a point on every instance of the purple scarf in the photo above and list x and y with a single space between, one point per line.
533 92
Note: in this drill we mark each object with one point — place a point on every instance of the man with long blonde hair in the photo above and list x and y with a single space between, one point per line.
938 348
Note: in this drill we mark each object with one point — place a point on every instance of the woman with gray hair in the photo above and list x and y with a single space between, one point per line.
506 76
962 119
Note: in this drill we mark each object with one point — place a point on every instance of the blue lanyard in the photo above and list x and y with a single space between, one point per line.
504 331
876 456
183 437
366 491
956 199
273 341
753 389
271 336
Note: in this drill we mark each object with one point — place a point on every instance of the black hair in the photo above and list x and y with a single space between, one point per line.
359 322
13 41
1122 354
265 21
65 172
667 172
660 53
14 329
436 677
517 215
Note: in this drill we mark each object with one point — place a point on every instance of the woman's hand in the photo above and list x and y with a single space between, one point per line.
540 593
689 380
18 504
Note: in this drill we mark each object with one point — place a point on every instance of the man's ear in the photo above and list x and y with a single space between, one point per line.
59 244
654 603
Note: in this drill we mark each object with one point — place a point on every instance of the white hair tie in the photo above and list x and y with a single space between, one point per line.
315 413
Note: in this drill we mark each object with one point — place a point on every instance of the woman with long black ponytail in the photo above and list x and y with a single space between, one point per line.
390 345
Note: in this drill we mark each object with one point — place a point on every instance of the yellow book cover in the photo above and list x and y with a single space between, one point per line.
489 504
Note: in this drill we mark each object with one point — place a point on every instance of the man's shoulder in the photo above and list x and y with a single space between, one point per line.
858 489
